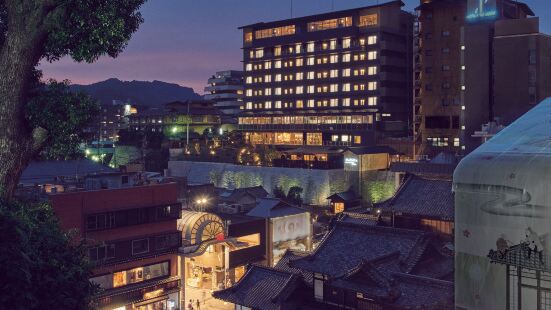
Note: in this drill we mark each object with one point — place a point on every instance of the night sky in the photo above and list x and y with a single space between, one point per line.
186 41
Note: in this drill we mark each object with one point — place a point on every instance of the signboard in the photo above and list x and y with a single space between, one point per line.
481 9
290 232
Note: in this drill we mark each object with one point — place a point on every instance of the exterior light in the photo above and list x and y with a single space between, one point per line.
174 129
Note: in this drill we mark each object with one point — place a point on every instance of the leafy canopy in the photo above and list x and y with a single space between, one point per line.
41 267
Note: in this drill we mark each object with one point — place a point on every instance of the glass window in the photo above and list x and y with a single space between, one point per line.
277 64
275 32
299 76
298 48
310 46
267 64
310 61
368 20
346 72
346 57
259 53
248 67
330 24
346 42
140 246
277 51
299 62
372 55
333 44
372 86
372 101
346 102
334 58
371 70
372 40
346 87
310 75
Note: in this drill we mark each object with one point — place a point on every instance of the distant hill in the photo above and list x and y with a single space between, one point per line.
142 93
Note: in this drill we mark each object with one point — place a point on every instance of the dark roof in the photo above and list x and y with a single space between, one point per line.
359 218
348 244
318 16
423 168
290 255
363 150
349 195
423 197
313 149
233 195
46 171
273 207
263 288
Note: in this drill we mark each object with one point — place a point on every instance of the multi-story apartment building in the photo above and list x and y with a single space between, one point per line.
340 78
476 62
111 118
226 90
133 241
437 75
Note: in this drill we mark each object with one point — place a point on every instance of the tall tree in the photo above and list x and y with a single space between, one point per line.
32 30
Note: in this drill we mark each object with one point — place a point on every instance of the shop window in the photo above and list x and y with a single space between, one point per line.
338 207
140 246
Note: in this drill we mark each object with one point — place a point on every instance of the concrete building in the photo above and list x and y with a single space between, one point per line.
468 72
340 78
225 88
132 239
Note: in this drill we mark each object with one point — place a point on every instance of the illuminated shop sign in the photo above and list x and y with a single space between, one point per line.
481 9
351 161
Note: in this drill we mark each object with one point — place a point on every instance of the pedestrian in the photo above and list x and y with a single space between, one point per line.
190 305
198 304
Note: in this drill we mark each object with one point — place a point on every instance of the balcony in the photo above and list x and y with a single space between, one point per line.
304 127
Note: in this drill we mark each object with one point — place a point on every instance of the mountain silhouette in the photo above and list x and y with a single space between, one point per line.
141 93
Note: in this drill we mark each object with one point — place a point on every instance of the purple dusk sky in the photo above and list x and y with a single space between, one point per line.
186 41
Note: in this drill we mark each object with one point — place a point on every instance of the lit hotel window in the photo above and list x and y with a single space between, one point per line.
268 91
371 70
362 41
346 72
278 104
346 57
259 53
298 48
300 90
346 43
334 58
310 47
311 89
372 86
249 80
310 61
324 45
334 102
277 64
249 92
248 67
278 77
299 62
267 65
311 103
368 20
267 105
372 40
251 54
334 88
299 76
358 139
275 32
346 102
334 73
330 24
310 75
346 87
277 51
267 78
249 105
372 101
372 55
248 36
333 44
300 104
278 91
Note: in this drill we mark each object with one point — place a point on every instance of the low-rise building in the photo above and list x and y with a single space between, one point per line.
132 240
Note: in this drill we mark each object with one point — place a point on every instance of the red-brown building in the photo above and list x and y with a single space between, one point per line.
133 239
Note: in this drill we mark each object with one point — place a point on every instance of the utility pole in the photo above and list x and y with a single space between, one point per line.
187 127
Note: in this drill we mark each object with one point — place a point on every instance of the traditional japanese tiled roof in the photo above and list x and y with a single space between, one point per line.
423 168
359 218
264 288
424 197
289 256
349 195
378 149
46 171
423 293
349 244
274 207
233 195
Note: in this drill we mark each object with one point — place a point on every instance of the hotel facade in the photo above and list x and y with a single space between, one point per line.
340 78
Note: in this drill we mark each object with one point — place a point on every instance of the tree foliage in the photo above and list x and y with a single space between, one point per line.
40 265
53 102
295 195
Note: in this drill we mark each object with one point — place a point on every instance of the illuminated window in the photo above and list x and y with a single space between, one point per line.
249 106
267 64
330 24
249 80
267 105
299 62
277 51
371 40
334 102
346 72
371 70
357 139
310 47
346 102
456 142
372 101
372 55
368 20
346 42
334 88
300 104
251 54
278 104
267 78
310 89
249 92
310 103
310 75
334 73
259 53
248 67
278 77
345 138
277 64
275 32
298 48
334 58
314 138
338 207
268 91
362 41
324 45
372 85
248 36
299 76
277 91
333 44
463 87
300 90
310 61
346 87
346 57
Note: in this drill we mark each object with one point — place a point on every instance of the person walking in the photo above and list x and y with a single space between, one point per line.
190 305
198 304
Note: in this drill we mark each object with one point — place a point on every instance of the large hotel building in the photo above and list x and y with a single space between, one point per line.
340 78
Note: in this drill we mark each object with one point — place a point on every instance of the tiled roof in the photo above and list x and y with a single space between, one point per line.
349 195
359 218
349 244
423 293
379 149
423 168
257 192
46 171
291 255
263 288
273 207
423 197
